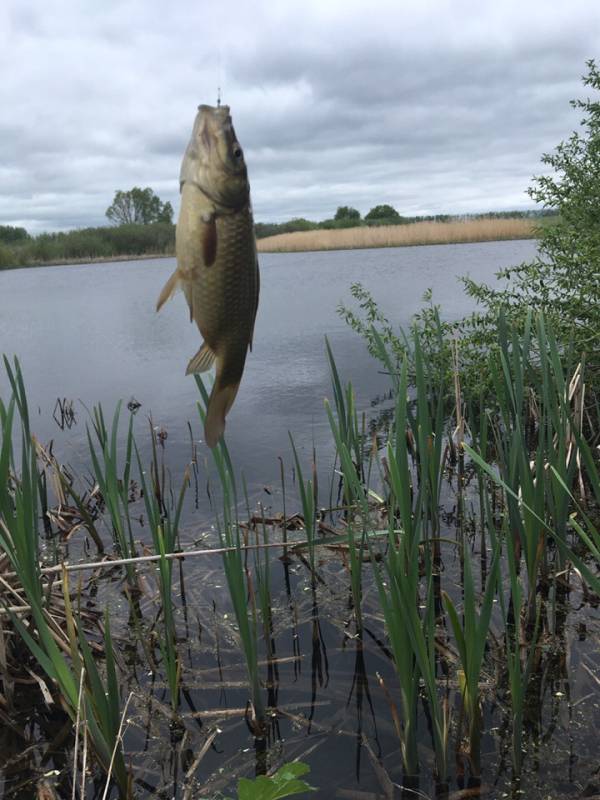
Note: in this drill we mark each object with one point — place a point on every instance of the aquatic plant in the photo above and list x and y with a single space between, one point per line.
471 638
164 527
233 564
308 499
283 783
114 483
45 637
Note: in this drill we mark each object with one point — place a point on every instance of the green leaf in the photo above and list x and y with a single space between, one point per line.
283 783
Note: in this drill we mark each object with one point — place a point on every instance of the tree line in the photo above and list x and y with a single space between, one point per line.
142 225
348 217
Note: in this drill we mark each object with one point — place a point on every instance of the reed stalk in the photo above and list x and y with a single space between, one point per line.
111 479
233 564
307 498
164 527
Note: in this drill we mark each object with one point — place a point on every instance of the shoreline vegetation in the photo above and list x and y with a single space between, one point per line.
157 240
404 235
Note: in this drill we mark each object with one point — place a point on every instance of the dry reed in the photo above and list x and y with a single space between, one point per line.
416 233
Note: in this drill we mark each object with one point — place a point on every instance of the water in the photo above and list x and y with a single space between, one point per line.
89 333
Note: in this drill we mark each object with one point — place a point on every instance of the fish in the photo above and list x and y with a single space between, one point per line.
217 264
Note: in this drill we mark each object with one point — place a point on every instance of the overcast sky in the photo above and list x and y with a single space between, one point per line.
431 106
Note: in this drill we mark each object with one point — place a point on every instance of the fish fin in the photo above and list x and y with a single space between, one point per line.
219 403
202 361
209 242
168 290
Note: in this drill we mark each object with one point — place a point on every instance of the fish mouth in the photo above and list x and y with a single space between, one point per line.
214 159
216 128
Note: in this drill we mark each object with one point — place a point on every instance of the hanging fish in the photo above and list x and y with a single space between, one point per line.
217 266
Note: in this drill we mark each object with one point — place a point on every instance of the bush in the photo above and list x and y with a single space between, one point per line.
563 280
347 213
10 234
383 214
7 257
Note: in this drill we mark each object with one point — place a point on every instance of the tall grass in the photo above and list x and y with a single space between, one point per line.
42 633
233 564
112 479
417 233
164 527
536 490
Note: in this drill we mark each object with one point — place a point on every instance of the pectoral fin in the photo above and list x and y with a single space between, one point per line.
209 242
202 361
168 290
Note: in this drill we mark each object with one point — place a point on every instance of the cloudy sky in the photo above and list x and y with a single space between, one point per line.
430 105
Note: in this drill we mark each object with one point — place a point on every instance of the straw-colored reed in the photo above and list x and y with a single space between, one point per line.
417 233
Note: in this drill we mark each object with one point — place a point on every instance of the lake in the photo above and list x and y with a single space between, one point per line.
89 333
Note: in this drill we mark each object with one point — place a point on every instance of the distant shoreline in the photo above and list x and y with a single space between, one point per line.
414 234
73 262
407 235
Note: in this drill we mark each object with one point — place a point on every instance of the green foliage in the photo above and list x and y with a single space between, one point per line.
138 206
262 229
157 238
284 783
562 281
9 234
343 222
347 212
19 541
7 258
234 565
383 214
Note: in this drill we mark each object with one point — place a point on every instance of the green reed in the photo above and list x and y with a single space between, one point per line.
19 539
113 481
164 527
349 450
413 471
536 437
412 493
309 508
471 637
233 564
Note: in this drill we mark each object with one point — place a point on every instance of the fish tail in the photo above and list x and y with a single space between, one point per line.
168 290
219 403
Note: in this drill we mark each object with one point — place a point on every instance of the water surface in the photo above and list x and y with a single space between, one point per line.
89 333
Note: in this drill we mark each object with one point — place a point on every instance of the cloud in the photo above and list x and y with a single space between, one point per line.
431 106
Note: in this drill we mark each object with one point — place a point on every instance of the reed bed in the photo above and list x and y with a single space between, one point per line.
452 646
415 233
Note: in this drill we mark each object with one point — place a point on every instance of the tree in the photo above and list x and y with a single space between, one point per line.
346 212
9 234
562 281
139 206
385 212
